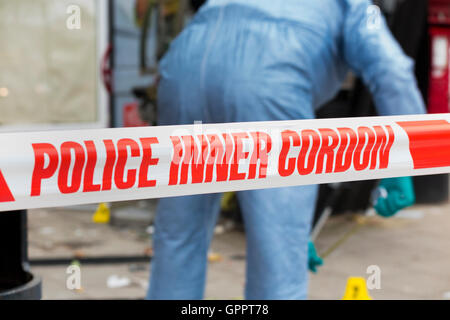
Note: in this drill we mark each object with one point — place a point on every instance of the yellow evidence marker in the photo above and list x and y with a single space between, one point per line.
102 215
356 289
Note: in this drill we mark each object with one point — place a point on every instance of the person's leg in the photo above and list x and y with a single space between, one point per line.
277 224
183 230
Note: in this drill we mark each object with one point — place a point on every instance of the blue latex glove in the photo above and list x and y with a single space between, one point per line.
314 261
395 194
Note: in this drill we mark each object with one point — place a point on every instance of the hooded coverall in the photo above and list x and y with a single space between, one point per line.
260 60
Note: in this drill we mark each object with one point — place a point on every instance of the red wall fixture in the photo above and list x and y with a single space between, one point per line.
439 85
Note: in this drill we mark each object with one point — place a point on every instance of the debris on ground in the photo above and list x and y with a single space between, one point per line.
114 282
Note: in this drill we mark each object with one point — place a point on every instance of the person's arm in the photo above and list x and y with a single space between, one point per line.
373 54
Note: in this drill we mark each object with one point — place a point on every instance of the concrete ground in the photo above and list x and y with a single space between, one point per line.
412 251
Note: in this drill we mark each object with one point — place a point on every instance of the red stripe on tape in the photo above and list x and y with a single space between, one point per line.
429 142
5 193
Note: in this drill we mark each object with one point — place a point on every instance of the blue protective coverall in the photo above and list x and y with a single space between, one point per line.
252 60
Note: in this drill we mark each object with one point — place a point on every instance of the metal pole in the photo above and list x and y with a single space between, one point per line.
16 280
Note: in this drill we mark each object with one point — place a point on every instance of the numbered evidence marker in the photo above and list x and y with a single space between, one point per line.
356 289
102 215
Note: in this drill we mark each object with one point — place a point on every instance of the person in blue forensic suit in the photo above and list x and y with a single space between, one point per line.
259 60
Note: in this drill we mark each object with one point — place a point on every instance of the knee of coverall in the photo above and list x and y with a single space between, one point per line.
277 224
183 230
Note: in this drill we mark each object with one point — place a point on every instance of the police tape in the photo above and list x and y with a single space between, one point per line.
48 169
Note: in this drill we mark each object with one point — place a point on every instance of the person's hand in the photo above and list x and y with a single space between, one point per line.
314 261
394 194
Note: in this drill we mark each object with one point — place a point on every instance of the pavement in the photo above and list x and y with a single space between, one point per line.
411 251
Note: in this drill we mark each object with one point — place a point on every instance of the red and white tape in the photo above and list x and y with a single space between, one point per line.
48 169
